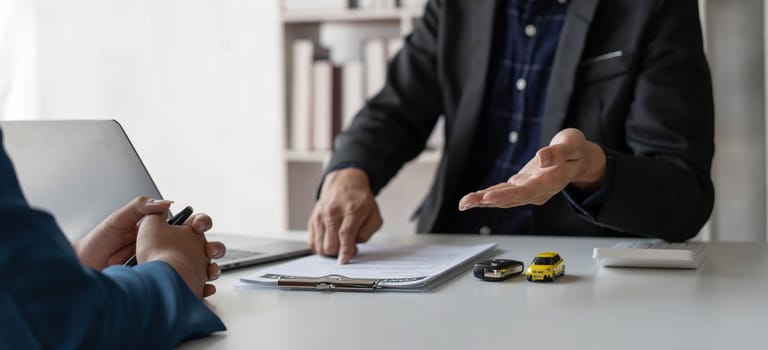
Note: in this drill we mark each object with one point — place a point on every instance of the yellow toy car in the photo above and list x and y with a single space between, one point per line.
546 266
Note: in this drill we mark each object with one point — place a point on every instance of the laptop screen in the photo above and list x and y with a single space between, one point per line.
80 171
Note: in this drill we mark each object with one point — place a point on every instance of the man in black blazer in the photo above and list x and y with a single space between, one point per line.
624 133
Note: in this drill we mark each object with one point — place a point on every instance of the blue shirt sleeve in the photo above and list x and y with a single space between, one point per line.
49 300
589 204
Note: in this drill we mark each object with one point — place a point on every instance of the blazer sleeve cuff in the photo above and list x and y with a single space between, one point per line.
188 317
589 204
345 165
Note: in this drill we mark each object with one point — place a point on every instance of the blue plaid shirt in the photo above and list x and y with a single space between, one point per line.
507 137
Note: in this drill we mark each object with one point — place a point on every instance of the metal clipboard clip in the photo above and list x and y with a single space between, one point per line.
329 283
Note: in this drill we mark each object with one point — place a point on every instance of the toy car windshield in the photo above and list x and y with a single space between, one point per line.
542 261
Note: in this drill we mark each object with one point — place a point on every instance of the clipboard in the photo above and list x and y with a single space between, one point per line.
376 267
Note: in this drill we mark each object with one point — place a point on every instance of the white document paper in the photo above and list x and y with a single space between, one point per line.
393 266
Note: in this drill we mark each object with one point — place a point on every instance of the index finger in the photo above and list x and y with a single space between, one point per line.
348 231
135 210
470 201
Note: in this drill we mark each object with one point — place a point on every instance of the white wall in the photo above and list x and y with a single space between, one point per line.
735 49
196 84
18 58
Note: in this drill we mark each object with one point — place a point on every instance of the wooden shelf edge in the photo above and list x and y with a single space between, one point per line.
428 156
348 15
307 156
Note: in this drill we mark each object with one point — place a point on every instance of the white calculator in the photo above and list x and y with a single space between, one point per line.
656 254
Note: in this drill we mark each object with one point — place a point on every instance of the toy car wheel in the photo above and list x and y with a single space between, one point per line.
529 278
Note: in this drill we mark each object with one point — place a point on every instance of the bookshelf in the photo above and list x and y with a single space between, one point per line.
341 37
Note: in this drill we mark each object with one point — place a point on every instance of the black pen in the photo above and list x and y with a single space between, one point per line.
177 219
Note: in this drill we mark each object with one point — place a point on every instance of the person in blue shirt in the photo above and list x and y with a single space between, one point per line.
563 117
57 294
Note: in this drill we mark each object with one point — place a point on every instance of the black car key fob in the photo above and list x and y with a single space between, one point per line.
495 270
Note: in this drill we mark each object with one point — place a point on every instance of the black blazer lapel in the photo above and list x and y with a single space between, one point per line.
469 108
567 58
471 102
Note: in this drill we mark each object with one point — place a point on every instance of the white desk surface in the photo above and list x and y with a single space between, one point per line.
722 305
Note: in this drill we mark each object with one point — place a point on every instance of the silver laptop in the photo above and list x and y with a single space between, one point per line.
83 170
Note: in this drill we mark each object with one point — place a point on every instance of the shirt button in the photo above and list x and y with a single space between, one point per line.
485 230
530 30
513 137
520 84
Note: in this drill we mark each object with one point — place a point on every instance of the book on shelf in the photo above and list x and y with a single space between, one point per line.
352 91
375 58
301 95
326 96
326 103
377 53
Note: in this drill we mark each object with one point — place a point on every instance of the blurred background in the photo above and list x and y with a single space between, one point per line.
197 86
215 95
